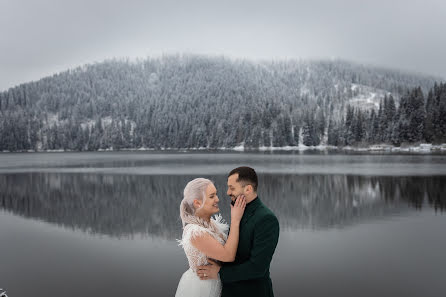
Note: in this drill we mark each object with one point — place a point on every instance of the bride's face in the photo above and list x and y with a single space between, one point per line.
211 202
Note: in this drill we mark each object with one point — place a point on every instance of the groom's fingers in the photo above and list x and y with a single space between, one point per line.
201 271
212 261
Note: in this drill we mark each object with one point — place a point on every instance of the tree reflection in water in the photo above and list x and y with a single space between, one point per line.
125 205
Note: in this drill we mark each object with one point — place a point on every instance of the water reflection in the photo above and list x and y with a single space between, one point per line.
175 163
124 205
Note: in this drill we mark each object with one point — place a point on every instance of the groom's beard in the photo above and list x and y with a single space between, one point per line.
233 199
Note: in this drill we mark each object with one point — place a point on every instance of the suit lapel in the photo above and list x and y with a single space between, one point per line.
249 211
246 218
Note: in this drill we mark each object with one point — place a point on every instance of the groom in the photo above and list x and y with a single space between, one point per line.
248 275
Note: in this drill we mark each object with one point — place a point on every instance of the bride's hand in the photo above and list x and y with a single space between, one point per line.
238 208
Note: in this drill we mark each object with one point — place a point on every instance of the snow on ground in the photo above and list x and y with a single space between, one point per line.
367 97
106 121
87 124
53 118
300 147
366 101
239 148
421 148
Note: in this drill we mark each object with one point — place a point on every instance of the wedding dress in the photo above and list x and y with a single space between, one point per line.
190 284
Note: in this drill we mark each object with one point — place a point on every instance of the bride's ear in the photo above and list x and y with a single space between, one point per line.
197 204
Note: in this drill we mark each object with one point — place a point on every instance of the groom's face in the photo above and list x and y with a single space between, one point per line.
234 188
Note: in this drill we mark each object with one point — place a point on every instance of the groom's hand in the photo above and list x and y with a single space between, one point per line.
208 271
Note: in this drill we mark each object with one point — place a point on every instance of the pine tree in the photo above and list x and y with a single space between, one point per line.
382 118
404 112
349 126
309 133
333 133
390 116
373 136
440 121
417 117
428 132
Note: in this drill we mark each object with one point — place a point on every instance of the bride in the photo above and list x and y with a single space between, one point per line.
205 237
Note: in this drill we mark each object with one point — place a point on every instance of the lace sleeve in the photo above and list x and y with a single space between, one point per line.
194 256
217 229
192 230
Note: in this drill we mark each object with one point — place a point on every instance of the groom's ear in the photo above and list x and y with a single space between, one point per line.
249 188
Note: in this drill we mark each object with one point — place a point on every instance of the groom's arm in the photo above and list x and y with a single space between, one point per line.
266 236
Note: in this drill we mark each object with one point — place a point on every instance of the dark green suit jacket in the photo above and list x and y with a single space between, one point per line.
248 275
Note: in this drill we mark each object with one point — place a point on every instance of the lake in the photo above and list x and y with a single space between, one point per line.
105 223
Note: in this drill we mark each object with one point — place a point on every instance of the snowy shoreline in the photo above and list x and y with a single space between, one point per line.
421 148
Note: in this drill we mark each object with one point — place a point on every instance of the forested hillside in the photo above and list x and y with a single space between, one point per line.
192 101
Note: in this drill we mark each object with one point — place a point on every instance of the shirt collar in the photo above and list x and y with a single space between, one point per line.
251 206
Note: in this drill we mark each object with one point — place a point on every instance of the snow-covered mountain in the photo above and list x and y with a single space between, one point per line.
193 101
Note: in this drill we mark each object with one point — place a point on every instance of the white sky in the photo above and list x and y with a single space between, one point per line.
39 38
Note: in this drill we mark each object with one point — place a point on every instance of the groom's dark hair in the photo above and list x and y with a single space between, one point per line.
246 176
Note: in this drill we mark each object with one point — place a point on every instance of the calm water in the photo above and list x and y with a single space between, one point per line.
104 224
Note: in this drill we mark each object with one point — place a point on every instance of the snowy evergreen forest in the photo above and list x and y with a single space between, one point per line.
193 101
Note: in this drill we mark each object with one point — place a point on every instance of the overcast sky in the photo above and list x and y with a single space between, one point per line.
39 38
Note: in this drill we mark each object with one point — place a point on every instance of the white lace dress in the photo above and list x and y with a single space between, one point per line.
190 284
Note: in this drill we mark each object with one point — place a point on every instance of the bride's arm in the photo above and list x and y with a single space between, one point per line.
212 247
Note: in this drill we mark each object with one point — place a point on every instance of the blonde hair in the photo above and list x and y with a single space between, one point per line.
194 189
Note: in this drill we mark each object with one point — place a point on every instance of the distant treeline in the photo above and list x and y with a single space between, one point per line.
417 119
197 101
